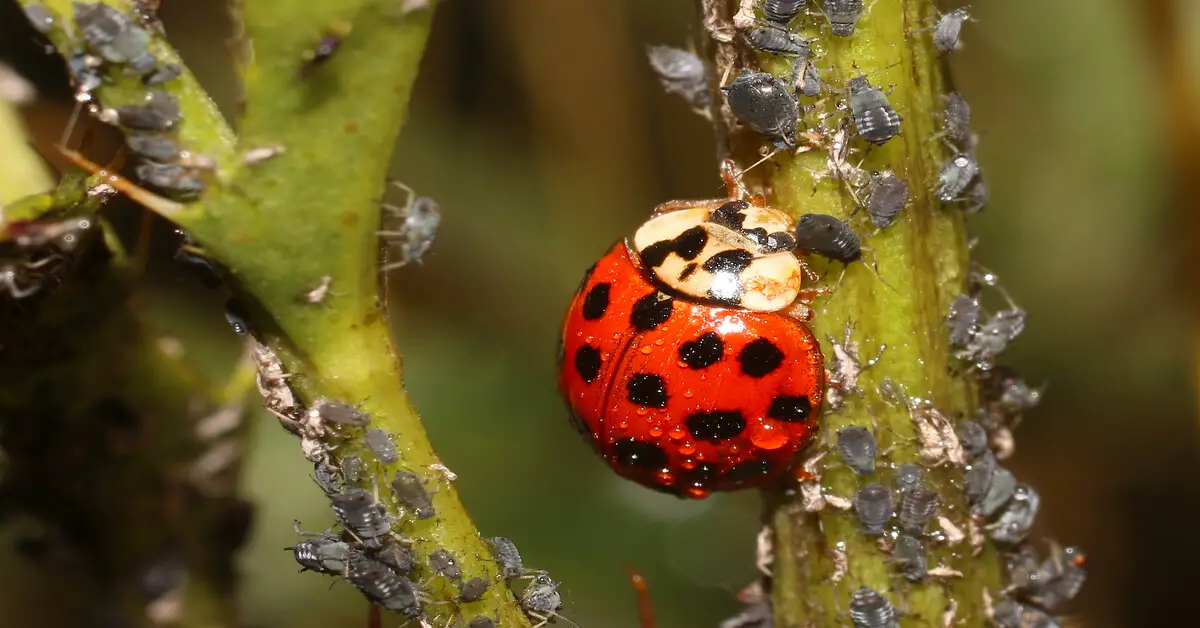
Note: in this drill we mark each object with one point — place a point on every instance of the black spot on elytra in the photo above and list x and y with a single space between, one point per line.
640 454
730 214
702 352
587 363
651 311
757 234
731 261
688 270
705 472
746 471
689 243
716 425
790 408
595 304
655 254
760 357
647 390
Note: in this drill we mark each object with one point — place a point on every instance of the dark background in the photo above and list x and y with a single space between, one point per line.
539 128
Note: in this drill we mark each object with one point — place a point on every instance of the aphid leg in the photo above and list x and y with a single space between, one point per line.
732 176
671 206
374 617
644 605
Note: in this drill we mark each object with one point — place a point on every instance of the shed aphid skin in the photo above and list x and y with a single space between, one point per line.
409 489
858 448
259 154
1018 516
842 15
682 73
325 48
948 29
846 368
869 609
766 104
317 293
908 556
418 218
362 516
780 12
917 507
873 505
993 338
874 118
778 41
442 563
472 590
956 175
381 444
887 195
384 587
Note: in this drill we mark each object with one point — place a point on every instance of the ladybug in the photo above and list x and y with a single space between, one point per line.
683 359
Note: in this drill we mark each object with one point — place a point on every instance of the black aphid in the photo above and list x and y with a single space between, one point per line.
325 553
237 317
858 448
472 590
170 177
1018 516
829 237
909 557
362 515
874 118
782 11
481 621
42 19
873 505
945 34
508 556
442 563
887 194
908 477
1001 489
955 176
159 111
916 509
963 320
381 444
973 437
410 490
766 104
340 413
978 477
956 118
114 36
778 41
153 145
383 586
843 15
395 556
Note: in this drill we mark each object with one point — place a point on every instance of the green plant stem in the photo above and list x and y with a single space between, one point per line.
23 173
922 263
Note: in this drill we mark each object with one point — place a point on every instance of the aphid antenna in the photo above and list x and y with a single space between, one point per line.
70 128
875 71
545 619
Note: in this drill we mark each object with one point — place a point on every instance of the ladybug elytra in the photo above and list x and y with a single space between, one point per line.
679 357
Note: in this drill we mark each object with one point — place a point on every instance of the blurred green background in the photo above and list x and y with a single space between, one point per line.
539 128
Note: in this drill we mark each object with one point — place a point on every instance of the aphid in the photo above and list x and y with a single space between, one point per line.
766 104
114 36
1012 393
973 438
873 505
778 41
682 73
158 112
189 255
993 337
887 194
978 196
869 609
541 599
1002 488
1059 578
420 217
328 46
85 75
325 553
810 81
909 557
472 590
318 292
164 73
782 11
977 479
846 368
443 564
396 556
956 175
956 118
171 177
874 117
1018 516
935 431
963 320
383 586
381 444
481 621
1010 613
508 556
916 509
842 15
828 236
410 490
949 26
908 477
757 615
153 146
362 515
858 448
40 17
341 413
328 478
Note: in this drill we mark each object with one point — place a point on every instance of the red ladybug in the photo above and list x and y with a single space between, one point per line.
676 360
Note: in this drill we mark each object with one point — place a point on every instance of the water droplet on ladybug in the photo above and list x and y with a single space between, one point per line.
688 394
688 464
646 350
676 433
658 341
665 477
687 449
656 431
697 493
623 424
642 412
768 436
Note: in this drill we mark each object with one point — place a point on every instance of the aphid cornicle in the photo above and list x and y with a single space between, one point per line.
876 120
410 491
869 609
948 28
887 194
782 11
472 590
843 15
362 515
828 236
766 104
682 73
858 448
1018 516
383 586
873 504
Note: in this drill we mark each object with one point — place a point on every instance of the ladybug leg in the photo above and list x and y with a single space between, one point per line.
799 311
671 206
644 605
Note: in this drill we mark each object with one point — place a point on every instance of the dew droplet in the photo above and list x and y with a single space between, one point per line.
768 436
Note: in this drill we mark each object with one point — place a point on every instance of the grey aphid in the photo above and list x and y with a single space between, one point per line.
858 448
472 590
41 17
956 175
153 145
541 597
810 83
993 337
916 509
1013 394
766 104
682 73
1009 613
508 556
114 36
908 477
85 75
328 478
1021 567
876 120
782 11
395 556
973 437
963 320
325 554
171 177
887 194
1060 577
362 515
949 26
978 477
778 41
909 557
1002 488
340 413
159 111
164 73
843 15
410 491
481 621
978 197
419 221
384 587
956 118
829 237
873 505
1018 516
869 609
757 615
442 563
352 468
381 444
